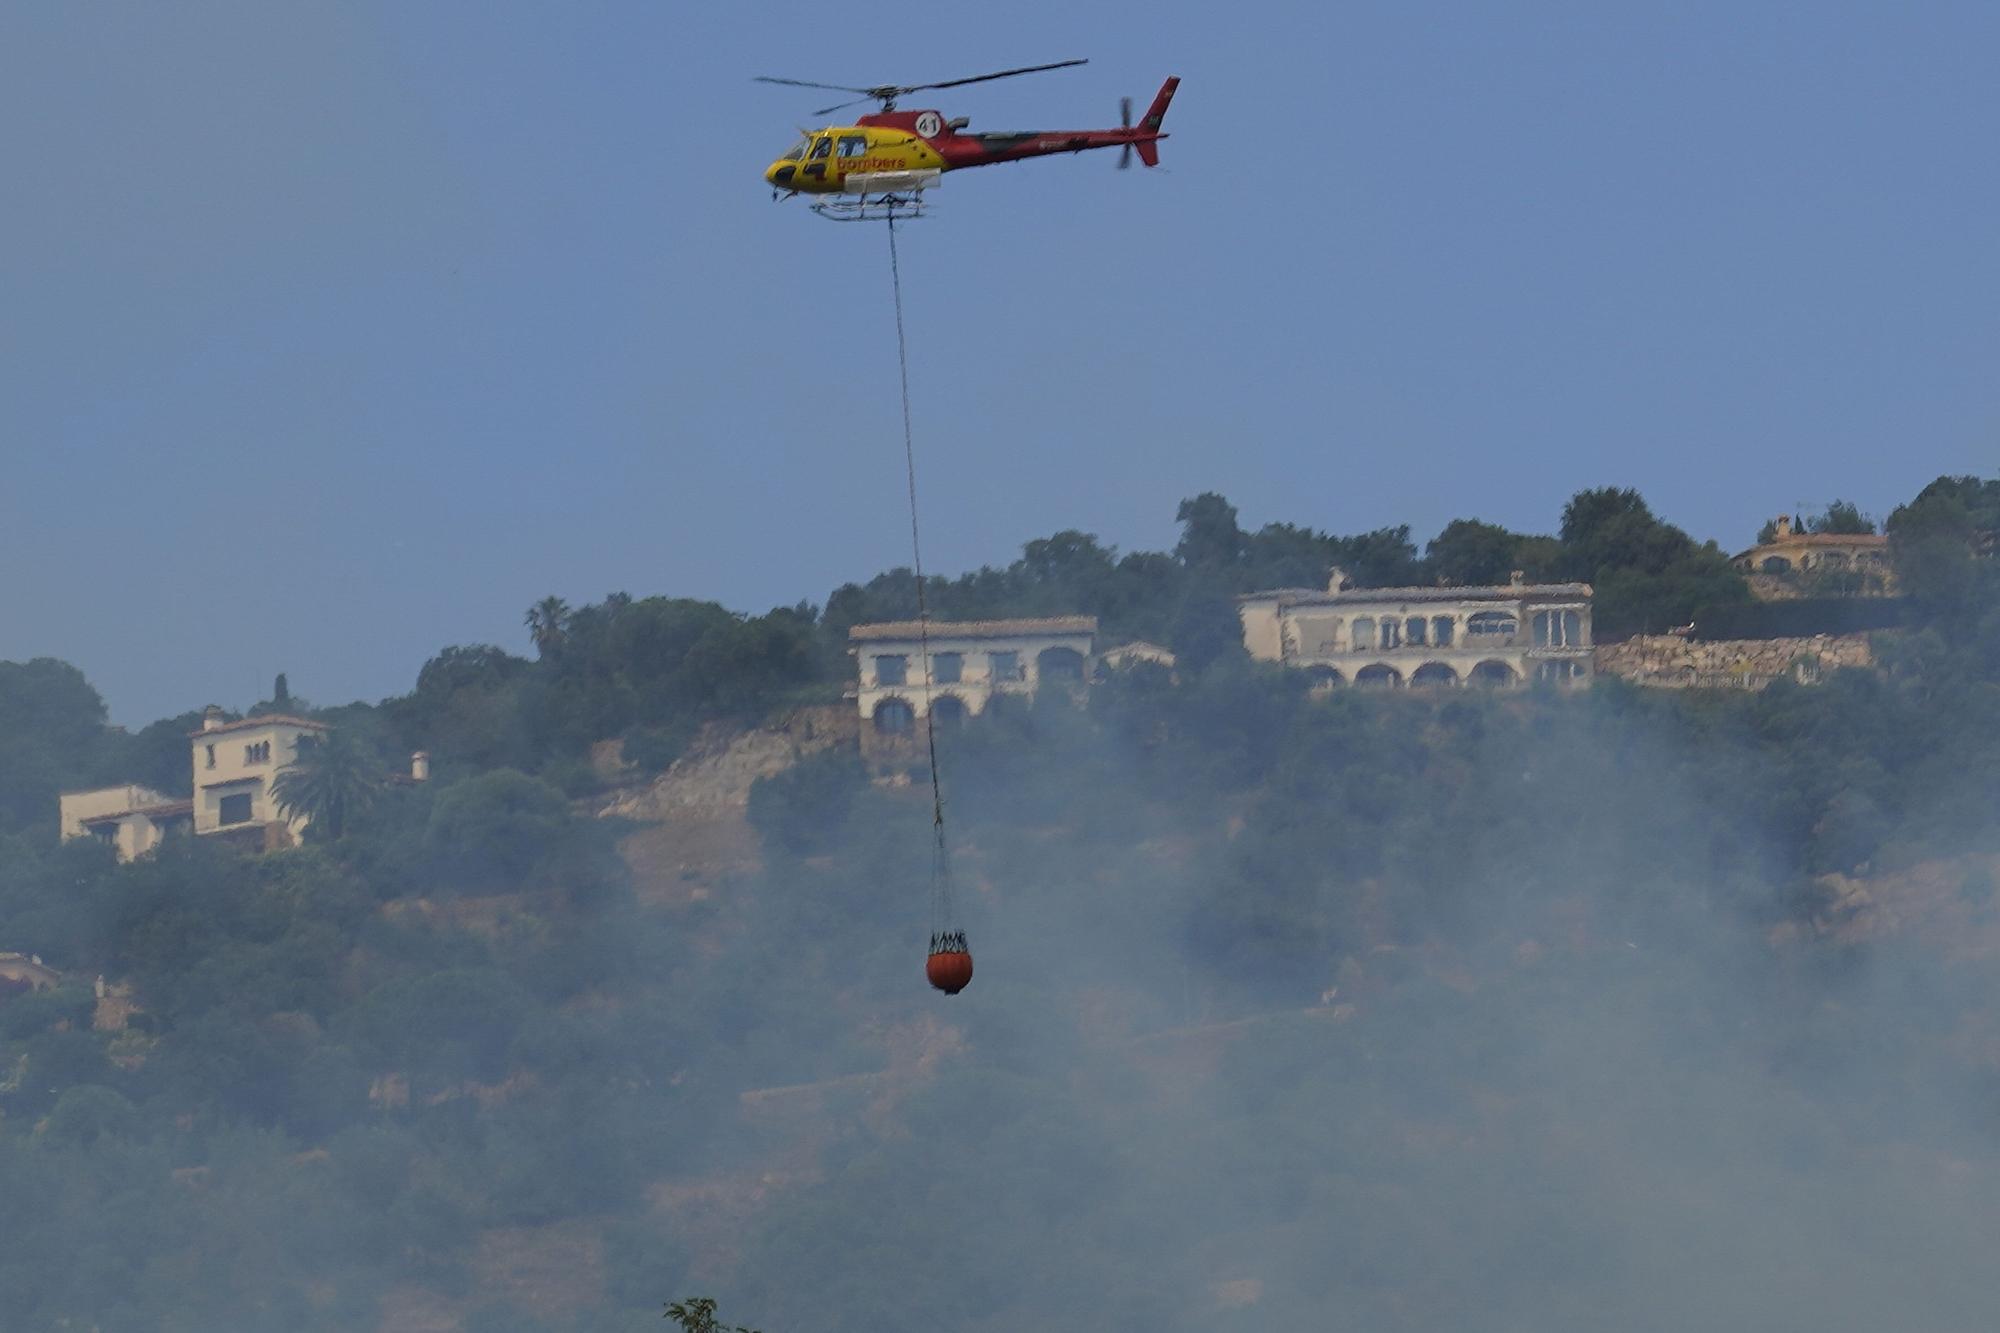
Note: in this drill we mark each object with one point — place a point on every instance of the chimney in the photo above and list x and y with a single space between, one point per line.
1517 578
1784 525
420 766
211 717
1336 579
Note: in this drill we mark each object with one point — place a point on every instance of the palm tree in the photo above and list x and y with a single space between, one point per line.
548 624
331 780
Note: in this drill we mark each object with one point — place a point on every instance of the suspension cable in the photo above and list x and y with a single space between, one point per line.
942 924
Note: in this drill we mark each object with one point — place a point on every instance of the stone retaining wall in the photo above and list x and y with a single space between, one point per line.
1671 662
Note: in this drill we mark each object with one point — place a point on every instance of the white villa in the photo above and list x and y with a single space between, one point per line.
235 764
131 819
1494 636
971 662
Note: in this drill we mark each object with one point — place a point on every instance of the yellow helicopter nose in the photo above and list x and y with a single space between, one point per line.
779 174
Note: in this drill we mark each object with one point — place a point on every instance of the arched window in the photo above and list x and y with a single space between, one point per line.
1493 675
893 717
1490 626
1413 631
1059 664
1377 676
1433 675
948 710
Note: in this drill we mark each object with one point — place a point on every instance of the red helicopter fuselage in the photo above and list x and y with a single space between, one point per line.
894 149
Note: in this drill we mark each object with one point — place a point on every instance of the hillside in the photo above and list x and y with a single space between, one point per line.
1538 1009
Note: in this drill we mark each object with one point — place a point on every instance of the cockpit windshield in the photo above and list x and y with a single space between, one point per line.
796 152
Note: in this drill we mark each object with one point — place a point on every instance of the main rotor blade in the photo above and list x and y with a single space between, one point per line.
829 110
1003 74
801 83
1125 112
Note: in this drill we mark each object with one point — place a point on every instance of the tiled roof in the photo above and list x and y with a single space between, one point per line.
974 629
266 720
1500 592
159 811
1139 646
166 811
1817 539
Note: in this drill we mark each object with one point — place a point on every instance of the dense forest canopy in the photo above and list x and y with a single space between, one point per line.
1540 1010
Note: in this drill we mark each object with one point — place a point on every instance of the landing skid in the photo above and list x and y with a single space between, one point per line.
872 208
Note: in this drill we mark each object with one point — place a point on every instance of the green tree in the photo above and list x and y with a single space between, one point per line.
1070 560
1614 528
1210 538
1283 555
1648 575
332 780
698 1316
804 808
1841 518
468 708
1207 629
50 699
51 738
89 1111
1384 558
1469 552
548 624
496 828
1935 538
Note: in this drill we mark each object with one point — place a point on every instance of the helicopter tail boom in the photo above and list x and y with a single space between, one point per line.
1149 148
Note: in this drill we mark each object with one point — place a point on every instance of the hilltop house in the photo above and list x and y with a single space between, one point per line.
25 972
1493 636
234 766
131 819
971 661
1799 564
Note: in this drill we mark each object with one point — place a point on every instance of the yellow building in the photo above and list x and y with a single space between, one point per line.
1801 564
971 661
25 972
132 820
1501 635
235 765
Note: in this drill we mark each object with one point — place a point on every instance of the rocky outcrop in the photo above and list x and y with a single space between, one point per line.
718 769
1673 662
694 832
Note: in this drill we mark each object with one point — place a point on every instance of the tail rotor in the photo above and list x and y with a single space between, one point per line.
1125 121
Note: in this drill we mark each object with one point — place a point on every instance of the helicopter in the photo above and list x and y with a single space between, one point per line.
881 165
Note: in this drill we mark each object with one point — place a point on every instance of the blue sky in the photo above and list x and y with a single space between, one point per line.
334 334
